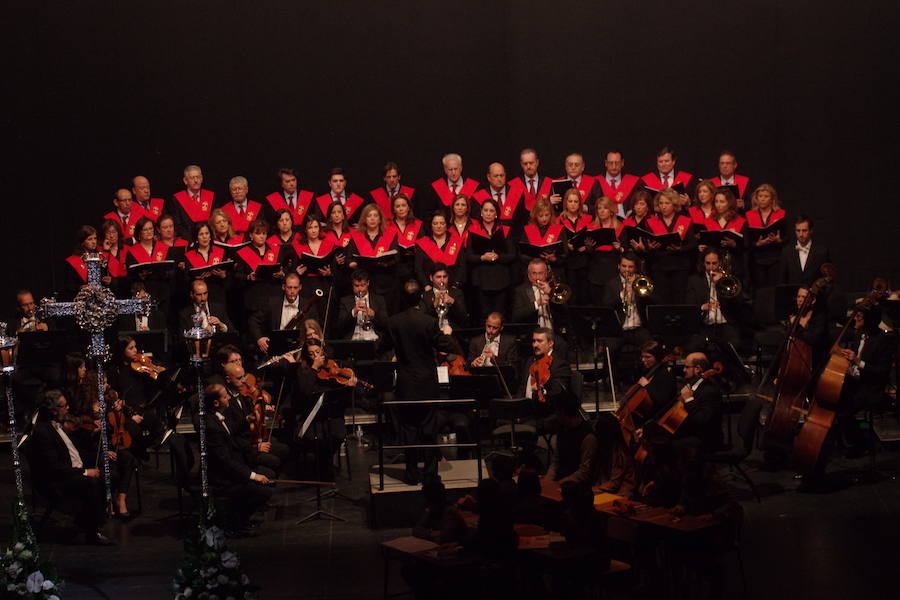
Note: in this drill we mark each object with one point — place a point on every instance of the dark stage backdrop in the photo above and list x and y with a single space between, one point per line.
802 91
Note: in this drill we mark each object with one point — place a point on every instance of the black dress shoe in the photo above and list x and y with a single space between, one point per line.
98 539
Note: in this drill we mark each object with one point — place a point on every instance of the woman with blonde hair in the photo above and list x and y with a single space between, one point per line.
605 258
766 232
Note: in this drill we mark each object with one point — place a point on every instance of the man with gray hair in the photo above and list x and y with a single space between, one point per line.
241 210
193 204
452 183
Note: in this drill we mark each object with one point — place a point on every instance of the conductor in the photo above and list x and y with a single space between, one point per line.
416 338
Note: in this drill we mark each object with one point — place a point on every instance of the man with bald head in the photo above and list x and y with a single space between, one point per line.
702 400
510 198
193 204
153 208
452 183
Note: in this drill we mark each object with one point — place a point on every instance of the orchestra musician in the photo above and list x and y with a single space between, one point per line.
620 294
193 204
531 300
214 316
229 473
139 393
720 316
440 296
494 347
813 326
284 311
702 398
661 384
155 320
243 416
363 315
548 372
26 318
416 339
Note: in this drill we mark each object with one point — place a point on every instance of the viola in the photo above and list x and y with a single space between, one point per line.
144 364
637 400
331 371
540 375
119 436
262 402
457 366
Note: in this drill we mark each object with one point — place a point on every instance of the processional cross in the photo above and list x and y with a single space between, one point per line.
95 309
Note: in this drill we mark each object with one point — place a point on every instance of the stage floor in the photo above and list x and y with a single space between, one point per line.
839 544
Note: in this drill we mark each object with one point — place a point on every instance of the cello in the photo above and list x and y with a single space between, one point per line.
807 455
794 373
637 401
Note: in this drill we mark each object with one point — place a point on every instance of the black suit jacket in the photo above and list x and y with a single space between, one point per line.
216 309
268 319
704 420
612 298
457 313
227 464
156 320
523 310
49 457
560 376
792 274
416 337
346 322
698 295
508 353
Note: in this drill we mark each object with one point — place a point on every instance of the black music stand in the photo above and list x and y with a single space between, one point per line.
354 352
41 348
317 421
673 323
508 372
604 323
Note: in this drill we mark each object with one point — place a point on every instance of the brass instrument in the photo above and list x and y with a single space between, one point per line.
366 323
642 285
559 292
727 286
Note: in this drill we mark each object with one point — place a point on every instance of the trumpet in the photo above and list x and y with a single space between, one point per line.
441 308
366 323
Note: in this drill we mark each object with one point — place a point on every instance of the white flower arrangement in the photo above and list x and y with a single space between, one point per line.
210 571
21 571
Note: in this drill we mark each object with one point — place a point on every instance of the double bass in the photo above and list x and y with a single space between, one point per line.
794 373
807 455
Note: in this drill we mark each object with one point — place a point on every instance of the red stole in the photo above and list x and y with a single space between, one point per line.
584 186
754 218
196 213
406 238
653 181
544 188
250 256
77 263
341 242
697 216
216 255
448 254
115 265
534 237
584 221
351 205
618 195
680 225
365 248
739 180
155 210
250 213
276 242
381 198
301 204
160 250
441 188
736 224
238 238
126 230
477 229
511 200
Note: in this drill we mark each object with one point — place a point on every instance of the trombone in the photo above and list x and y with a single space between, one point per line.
559 292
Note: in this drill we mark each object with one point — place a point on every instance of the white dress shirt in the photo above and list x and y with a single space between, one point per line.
74 456
289 310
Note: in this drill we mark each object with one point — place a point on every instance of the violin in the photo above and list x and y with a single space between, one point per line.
262 402
144 364
331 371
119 436
72 423
540 375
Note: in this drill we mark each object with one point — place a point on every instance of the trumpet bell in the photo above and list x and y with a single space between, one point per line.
560 293
643 286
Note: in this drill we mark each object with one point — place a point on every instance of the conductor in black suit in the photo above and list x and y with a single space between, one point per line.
416 338
801 263
285 311
229 473
60 471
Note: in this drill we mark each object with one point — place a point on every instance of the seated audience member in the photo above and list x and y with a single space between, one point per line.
575 459
441 522
531 507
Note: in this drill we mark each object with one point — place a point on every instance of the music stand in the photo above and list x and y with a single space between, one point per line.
785 301
673 323
40 348
509 376
317 418
283 340
604 323
481 386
